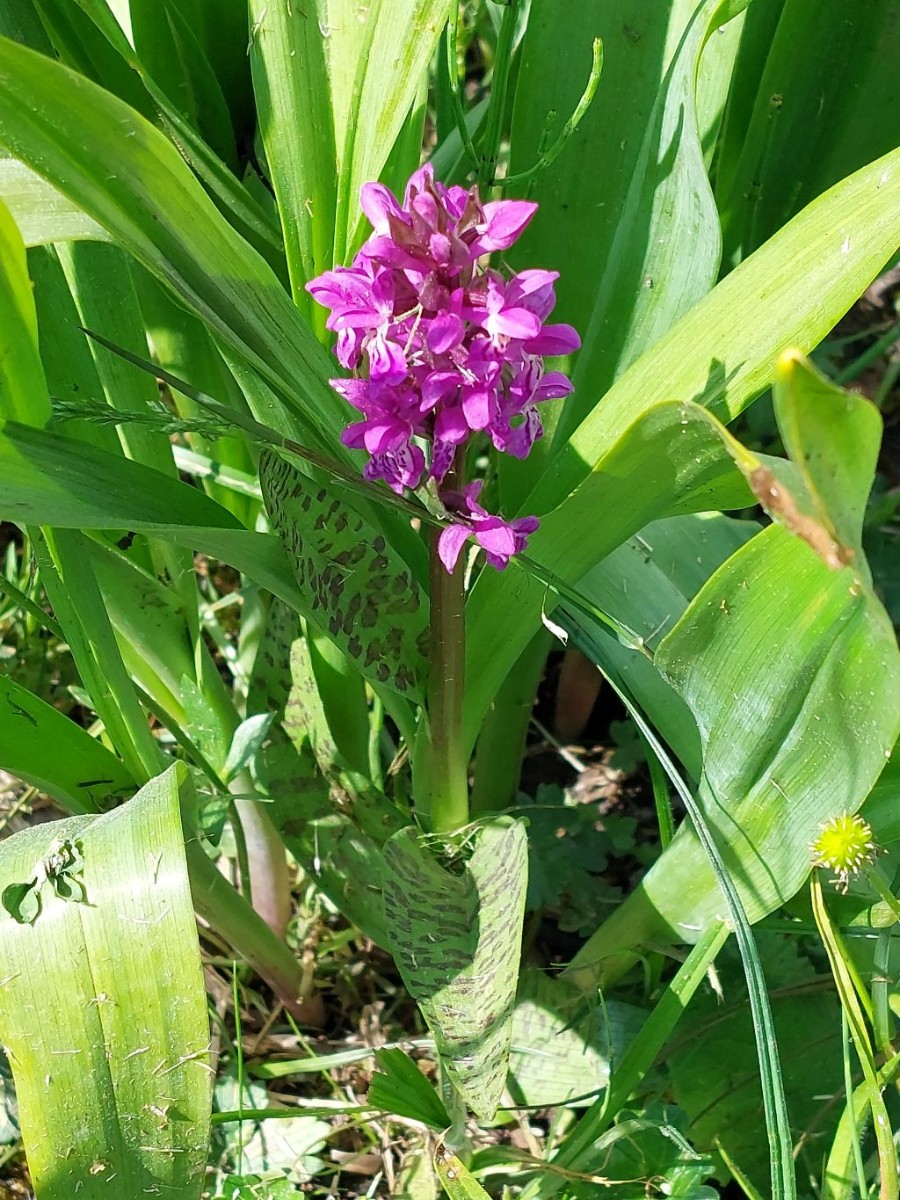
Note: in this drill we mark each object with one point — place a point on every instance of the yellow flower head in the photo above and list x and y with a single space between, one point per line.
844 845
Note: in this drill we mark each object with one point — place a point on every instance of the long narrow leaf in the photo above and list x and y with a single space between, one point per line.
43 747
126 175
23 391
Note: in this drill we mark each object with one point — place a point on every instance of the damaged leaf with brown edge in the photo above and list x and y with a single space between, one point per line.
797 595
360 591
832 438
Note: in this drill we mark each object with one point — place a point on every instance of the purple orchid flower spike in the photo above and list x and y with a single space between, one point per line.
444 348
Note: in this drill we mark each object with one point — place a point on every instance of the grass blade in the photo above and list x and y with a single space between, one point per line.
778 1129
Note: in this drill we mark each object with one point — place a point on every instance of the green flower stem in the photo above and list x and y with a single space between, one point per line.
498 760
450 76
548 154
448 761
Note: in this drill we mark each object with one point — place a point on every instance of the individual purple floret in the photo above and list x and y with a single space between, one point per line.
442 346
499 539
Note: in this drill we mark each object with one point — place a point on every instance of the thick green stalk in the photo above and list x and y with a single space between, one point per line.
448 766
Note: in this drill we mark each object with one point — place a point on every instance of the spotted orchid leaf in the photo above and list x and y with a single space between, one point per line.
455 927
356 588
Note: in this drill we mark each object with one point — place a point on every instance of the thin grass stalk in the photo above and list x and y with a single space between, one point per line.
778 1128
838 960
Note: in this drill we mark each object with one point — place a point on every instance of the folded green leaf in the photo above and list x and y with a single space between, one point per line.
455 925
113 1081
790 666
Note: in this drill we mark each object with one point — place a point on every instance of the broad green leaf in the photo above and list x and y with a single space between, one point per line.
100 281
676 458
399 40
645 585
154 633
49 479
48 750
113 1081
42 213
792 672
20 21
288 53
23 391
344 28
563 1046
74 594
80 45
722 354
627 213
65 354
714 77
455 926
103 295
126 175
790 666
183 346
833 440
824 104
305 720
359 592
228 194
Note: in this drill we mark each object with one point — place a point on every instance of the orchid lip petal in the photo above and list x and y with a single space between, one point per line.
515 323
450 543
